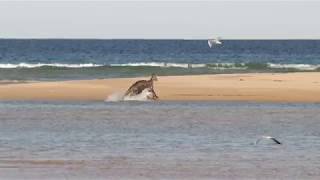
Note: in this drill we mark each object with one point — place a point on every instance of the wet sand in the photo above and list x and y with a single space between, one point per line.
267 87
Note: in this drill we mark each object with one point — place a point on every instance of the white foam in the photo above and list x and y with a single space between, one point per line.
161 64
149 64
181 65
119 96
218 66
115 97
143 96
152 64
223 66
27 65
198 65
309 67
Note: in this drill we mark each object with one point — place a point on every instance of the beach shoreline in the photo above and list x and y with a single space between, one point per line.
256 87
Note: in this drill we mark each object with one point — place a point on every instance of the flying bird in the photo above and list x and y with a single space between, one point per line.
213 42
268 137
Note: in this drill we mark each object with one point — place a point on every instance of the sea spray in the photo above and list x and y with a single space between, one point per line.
145 95
115 97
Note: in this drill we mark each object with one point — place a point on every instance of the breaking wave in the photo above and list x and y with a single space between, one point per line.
303 67
37 65
58 71
217 66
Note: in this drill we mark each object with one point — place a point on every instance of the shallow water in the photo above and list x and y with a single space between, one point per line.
175 140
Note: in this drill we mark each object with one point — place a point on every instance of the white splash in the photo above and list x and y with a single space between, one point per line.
115 97
145 95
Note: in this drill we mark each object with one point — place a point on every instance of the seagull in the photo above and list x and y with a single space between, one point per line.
213 42
268 137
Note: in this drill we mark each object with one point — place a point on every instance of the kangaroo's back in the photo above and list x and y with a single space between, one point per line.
140 85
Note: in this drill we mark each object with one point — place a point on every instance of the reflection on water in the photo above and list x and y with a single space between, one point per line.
158 140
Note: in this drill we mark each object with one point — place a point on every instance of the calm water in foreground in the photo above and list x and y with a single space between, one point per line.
159 140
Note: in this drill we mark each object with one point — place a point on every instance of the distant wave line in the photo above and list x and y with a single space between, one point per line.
218 66
36 65
162 64
295 66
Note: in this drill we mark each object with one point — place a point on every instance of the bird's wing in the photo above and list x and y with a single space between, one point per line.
268 137
275 140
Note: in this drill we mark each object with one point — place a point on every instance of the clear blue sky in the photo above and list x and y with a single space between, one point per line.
161 19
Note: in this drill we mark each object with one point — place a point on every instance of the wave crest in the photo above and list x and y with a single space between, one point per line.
306 67
37 65
213 66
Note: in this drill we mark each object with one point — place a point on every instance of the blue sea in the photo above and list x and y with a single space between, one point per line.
63 59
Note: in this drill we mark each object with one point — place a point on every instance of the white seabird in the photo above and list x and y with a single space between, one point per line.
212 42
268 137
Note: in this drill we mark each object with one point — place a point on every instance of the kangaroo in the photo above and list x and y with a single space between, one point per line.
139 86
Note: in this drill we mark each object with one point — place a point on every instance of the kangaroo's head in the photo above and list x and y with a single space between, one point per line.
154 77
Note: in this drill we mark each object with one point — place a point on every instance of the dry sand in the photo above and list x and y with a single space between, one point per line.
285 87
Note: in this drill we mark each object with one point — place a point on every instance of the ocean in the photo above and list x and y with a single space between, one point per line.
63 59
158 140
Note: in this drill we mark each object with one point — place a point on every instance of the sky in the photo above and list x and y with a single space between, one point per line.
153 19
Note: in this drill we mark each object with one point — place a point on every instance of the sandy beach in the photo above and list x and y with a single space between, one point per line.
286 87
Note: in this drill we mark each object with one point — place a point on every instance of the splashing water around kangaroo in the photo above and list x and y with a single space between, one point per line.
140 91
